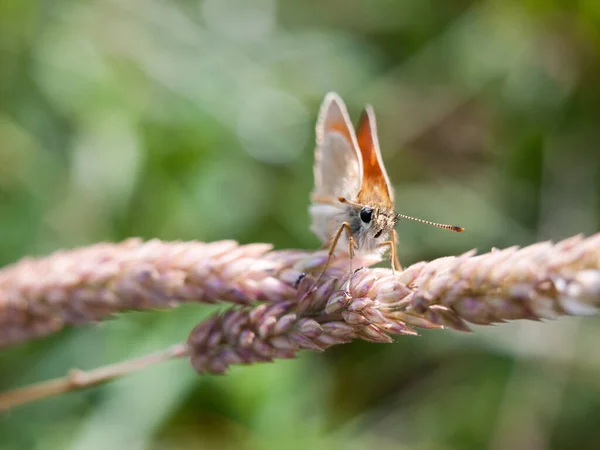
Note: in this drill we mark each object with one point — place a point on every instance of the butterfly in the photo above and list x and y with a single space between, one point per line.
353 200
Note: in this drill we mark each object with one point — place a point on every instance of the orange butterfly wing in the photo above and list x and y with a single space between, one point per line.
375 188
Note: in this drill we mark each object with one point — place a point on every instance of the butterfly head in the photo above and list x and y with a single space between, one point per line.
370 224
377 222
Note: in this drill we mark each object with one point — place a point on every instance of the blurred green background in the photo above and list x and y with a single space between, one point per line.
194 120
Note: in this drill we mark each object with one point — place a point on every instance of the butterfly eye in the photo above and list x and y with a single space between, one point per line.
366 214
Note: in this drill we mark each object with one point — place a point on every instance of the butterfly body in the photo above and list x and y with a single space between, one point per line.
368 237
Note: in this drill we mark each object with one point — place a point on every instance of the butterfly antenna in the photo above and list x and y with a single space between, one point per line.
439 225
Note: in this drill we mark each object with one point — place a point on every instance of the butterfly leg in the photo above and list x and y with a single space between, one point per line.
351 243
393 254
396 262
